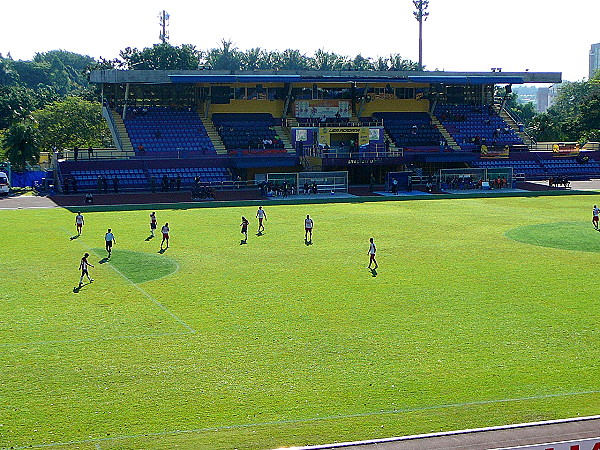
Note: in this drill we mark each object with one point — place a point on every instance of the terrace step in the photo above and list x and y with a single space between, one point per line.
447 136
122 131
515 126
283 134
213 134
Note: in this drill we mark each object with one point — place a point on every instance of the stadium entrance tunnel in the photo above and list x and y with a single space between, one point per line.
577 236
139 267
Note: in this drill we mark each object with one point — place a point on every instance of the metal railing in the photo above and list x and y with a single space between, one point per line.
566 147
378 151
317 123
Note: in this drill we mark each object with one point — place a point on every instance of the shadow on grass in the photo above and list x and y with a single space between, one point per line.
149 238
76 289
162 250
243 241
74 237
373 272
308 242
104 260
260 233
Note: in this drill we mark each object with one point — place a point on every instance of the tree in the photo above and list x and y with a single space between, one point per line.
546 127
16 102
255 59
361 63
8 75
323 60
162 56
20 143
71 122
526 112
226 58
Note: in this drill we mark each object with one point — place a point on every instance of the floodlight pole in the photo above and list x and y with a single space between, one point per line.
421 15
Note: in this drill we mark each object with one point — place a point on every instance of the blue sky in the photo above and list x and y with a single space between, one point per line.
469 35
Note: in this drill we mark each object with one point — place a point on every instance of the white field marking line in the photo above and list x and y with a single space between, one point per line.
98 446
109 338
152 299
312 419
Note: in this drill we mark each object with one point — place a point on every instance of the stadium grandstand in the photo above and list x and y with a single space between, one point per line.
223 129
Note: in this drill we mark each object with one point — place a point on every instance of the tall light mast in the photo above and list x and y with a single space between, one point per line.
421 15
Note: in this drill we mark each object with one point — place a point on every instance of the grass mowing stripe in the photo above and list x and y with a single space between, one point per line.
152 299
109 338
312 419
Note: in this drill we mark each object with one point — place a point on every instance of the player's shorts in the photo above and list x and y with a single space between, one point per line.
109 244
165 235
595 219
260 219
372 256
244 230
153 225
308 229
84 272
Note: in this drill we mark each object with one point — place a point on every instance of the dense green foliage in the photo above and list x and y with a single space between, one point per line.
21 144
71 122
574 115
277 343
228 57
53 88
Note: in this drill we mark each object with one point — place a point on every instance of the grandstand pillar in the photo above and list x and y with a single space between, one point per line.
126 98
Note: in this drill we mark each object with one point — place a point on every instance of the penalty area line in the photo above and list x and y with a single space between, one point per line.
148 296
311 419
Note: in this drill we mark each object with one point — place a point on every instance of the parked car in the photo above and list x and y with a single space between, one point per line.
4 186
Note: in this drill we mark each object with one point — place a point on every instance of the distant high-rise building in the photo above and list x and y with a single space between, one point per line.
546 97
543 99
594 59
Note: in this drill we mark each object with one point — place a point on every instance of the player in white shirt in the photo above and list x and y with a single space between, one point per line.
109 237
165 232
308 228
261 214
595 214
79 222
83 266
371 253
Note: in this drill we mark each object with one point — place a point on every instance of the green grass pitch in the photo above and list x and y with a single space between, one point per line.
483 312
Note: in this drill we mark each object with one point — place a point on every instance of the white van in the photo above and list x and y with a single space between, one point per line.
4 187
